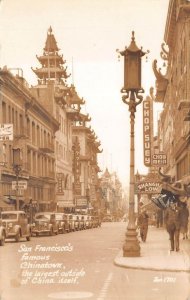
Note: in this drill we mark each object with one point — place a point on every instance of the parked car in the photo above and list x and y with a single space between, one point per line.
2 234
90 221
107 218
45 223
94 222
81 222
97 221
16 225
71 222
86 222
63 222
76 222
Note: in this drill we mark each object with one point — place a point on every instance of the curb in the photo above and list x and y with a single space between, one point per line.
144 263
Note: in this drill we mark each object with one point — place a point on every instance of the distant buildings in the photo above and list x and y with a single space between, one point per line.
113 201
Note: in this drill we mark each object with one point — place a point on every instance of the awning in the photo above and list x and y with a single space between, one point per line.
178 188
149 206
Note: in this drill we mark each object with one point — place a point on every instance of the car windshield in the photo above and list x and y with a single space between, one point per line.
59 217
9 216
44 216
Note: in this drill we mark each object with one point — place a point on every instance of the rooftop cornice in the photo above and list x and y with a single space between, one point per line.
170 23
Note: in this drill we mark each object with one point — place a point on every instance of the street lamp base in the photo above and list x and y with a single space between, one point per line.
131 247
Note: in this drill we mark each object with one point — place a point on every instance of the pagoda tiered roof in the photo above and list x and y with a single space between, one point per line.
55 57
52 64
51 44
75 99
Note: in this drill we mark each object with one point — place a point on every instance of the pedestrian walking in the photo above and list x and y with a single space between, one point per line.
172 222
159 218
184 216
142 223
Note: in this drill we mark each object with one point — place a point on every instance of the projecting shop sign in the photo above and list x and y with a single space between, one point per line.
150 187
6 132
22 185
159 159
147 132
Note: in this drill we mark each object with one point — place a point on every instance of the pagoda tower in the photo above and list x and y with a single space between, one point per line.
52 63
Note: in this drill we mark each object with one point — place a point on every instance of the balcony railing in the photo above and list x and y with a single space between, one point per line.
47 148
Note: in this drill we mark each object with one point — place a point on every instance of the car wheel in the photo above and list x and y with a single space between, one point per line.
2 241
17 237
28 238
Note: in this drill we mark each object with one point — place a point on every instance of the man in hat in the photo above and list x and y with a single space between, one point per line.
172 221
142 223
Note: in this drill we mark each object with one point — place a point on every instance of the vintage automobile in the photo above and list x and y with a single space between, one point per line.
90 221
45 223
2 234
93 222
72 223
82 223
76 222
16 225
107 218
86 222
97 221
63 222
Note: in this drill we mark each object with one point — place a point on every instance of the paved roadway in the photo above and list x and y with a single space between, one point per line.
85 272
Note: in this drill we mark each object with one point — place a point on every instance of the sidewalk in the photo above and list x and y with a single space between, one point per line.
156 255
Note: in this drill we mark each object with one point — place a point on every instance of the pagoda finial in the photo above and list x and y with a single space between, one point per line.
133 36
50 30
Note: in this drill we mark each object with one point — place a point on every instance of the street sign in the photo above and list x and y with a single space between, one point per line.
159 159
22 185
6 132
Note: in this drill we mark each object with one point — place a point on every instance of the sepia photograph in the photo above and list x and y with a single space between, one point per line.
94 149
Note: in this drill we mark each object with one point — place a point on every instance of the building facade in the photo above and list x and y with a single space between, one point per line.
86 146
33 133
173 90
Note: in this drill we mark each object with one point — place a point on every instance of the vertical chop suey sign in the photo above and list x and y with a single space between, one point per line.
147 132
150 158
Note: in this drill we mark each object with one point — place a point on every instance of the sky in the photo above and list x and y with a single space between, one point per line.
88 32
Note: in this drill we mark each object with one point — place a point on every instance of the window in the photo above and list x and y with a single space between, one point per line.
33 133
4 112
38 135
182 167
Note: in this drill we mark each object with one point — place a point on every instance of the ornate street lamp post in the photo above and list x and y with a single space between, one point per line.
132 88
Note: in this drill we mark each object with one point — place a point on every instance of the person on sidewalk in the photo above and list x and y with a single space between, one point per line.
142 223
172 222
159 218
184 216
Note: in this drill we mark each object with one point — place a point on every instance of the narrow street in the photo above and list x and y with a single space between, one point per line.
82 270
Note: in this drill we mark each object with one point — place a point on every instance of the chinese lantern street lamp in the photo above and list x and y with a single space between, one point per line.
132 88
